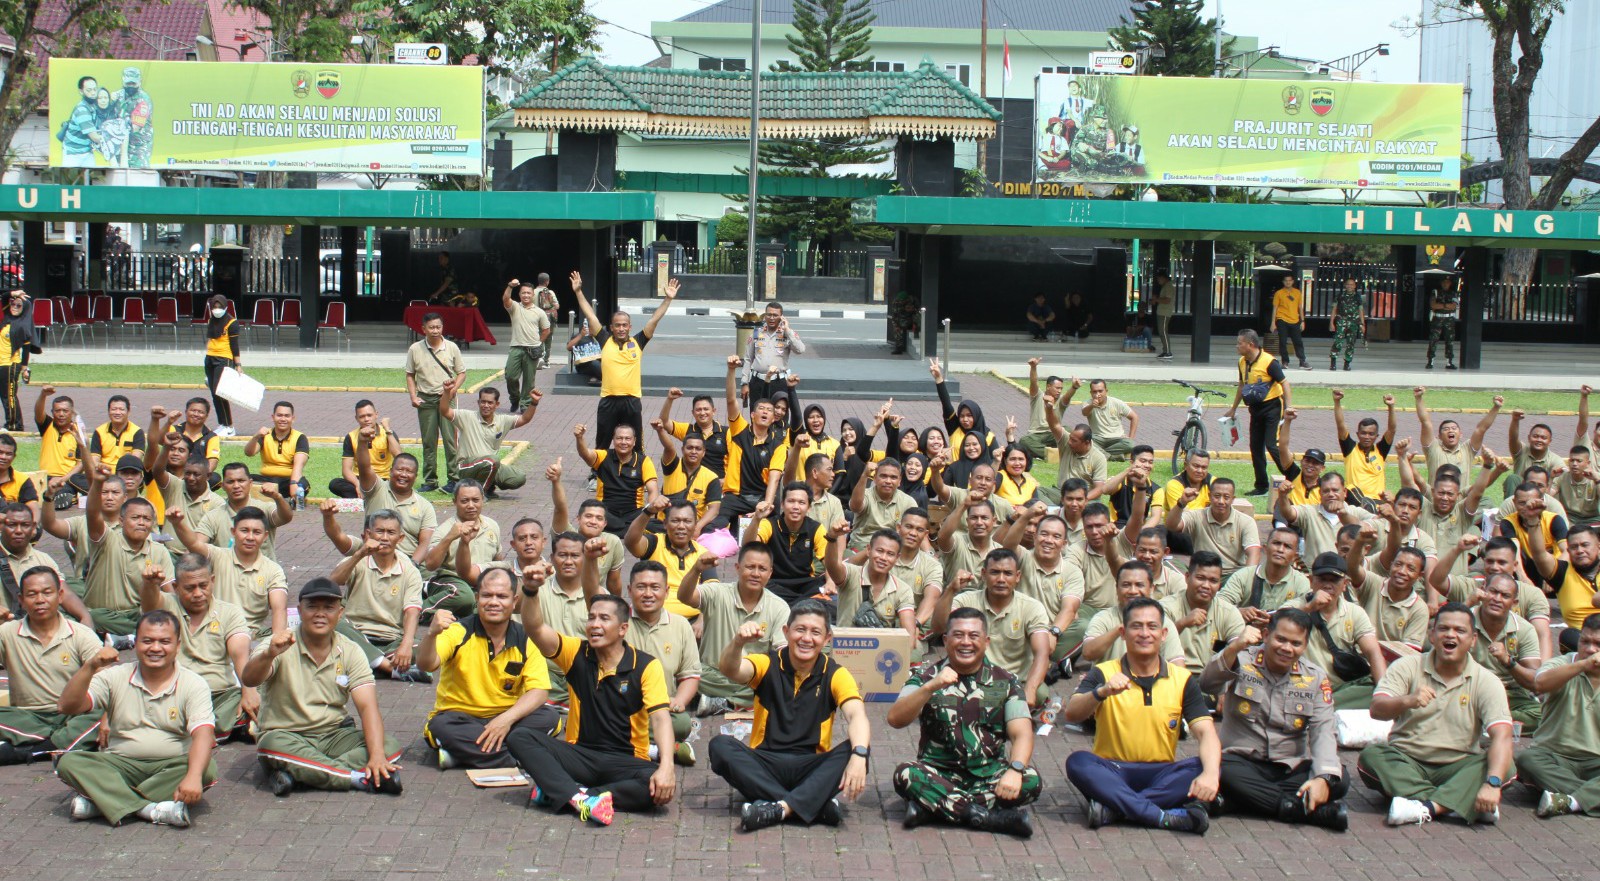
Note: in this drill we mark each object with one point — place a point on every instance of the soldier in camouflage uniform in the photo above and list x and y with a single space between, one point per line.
1348 323
1443 306
973 759
133 105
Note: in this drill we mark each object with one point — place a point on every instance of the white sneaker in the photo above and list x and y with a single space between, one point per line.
1408 812
170 813
224 431
446 761
1490 818
84 809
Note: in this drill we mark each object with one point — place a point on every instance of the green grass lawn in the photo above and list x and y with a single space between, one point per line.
1363 398
1239 472
272 377
323 467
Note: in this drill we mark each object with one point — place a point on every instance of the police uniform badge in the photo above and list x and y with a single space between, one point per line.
1244 708
216 626
172 714
66 658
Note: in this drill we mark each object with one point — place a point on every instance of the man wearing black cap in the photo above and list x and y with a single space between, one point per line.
1280 756
1304 476
306 676
1343 642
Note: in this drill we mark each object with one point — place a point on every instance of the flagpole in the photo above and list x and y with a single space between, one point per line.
1005 77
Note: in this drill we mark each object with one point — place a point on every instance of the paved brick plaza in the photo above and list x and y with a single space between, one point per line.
443 827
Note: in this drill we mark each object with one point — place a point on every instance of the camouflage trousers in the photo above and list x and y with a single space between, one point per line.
949 792
1445 329
1345 333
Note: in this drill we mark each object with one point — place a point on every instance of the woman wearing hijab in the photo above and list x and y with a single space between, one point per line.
17 343
1016 485
222 351
914 478
967 418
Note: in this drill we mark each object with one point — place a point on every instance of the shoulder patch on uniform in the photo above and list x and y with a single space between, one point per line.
1327 691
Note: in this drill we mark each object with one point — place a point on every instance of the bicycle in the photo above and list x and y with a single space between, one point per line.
1192 436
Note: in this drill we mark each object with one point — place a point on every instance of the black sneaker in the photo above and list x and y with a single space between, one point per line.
280 783
428 487
831 814
1058 671
65 499
450 487
1429 365
1100 815
1192 817
759 815
1347 365
916 815
1449 365
411 674
389 785
1258 491
10 755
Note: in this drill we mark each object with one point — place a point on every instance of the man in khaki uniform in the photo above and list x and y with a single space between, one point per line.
530 332
917 569
964 549
1091 588
1081 457
1019 629
1258 591
237 487
244 576
1103 640
40 651
213 639
1449 513
563 602
1508 647
1564 761
869 593
398 494
466 540
16 539
1578 488
723 609
1105 415
1044 570
1202 621
1280 755
1499 557
383 599
1392 602
1319 524
307 675
882 506
1230 534
117 560
478 435
1440 703
430 363
160 732
980 483
1339 628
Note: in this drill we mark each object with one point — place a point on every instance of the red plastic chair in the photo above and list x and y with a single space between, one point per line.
264 317
44 315
71 318
167 316
335 322
101 311
133 317
288 316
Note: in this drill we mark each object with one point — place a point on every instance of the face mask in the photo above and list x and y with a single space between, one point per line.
218 313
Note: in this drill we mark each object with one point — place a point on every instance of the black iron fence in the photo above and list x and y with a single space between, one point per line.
731 260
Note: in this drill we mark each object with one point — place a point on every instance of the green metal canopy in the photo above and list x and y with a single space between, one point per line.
400 208
590 96
1461 227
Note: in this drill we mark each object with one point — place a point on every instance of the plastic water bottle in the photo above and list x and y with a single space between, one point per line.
1047 716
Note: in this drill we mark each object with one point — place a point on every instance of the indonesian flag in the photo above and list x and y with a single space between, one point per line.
1007 57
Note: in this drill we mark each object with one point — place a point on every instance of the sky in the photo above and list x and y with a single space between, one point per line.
1316 29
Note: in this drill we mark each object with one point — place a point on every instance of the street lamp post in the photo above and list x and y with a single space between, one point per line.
755 143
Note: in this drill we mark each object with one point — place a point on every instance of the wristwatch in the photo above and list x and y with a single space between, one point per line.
1495 781
1018 767
1054 630
862 751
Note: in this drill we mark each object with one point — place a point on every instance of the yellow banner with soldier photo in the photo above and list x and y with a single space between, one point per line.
188 115
1246 133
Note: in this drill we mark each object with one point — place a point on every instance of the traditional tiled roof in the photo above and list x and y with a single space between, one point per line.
923 102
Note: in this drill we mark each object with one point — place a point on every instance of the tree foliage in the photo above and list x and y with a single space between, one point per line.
1179 29
1518 30
830 35
43 30
305 30
502 36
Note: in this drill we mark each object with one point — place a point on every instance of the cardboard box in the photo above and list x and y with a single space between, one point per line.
879 659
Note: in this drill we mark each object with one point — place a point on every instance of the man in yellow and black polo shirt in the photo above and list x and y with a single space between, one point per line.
1263 389
1139 703
1366 454
491 680
617 702
381 450
621 363
792 768
59 455
284 452
113 439
758 449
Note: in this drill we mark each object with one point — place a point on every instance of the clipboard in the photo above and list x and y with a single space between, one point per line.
496 778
